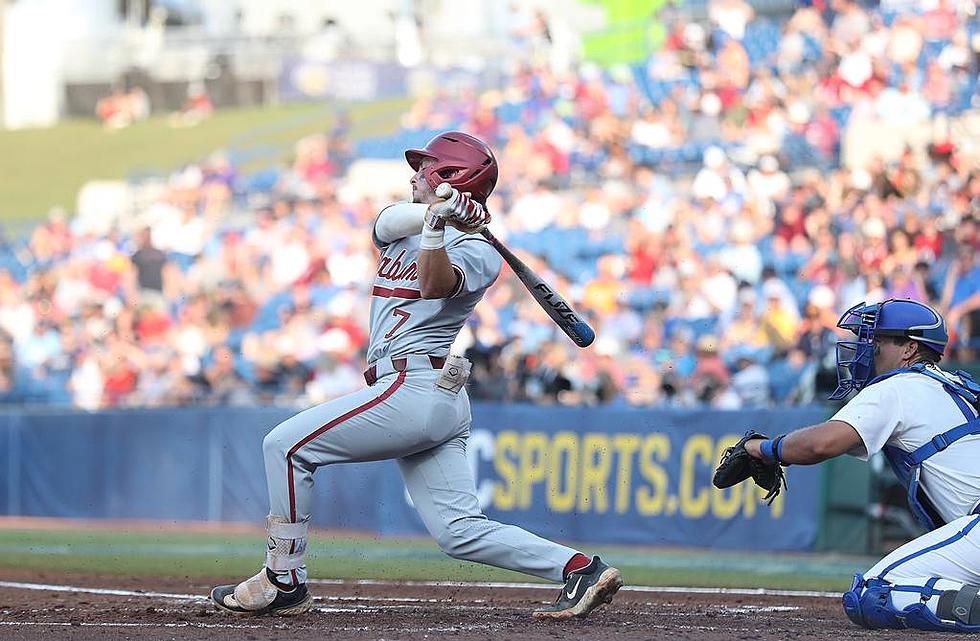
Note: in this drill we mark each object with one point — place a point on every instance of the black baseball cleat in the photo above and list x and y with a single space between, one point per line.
287 602
584 591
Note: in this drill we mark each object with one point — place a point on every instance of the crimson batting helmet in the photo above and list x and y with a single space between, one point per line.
465 162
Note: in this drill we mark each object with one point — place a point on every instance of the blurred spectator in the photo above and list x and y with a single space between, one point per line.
961 300
700 193
196 109
544 378
710 379
149 263
122 108
750 382
730 16
768 182
219 383
718 179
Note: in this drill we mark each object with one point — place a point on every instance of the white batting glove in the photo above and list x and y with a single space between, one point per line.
471 217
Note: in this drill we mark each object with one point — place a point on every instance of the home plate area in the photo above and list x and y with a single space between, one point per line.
45 606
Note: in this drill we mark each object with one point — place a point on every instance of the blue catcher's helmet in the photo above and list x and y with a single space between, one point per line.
893 317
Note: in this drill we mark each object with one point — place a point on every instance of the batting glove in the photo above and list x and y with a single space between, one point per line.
470 216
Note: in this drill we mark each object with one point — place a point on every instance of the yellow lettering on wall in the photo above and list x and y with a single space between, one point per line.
726 503
596 462
563 472
697 447
625 445
651 500
534 450
505 490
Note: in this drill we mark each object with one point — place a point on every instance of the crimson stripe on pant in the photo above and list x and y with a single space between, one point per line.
334 423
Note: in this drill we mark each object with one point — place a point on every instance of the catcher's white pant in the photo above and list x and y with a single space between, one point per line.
950 552
403 416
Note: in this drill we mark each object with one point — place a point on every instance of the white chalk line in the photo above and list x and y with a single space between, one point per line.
48 587
543 586
120 624
443 584
188 624
388 604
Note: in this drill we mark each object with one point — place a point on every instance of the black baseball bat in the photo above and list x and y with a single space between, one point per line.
551 301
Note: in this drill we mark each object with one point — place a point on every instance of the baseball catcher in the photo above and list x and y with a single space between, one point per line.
925 422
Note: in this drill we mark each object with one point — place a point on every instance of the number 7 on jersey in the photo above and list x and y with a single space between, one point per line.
401 321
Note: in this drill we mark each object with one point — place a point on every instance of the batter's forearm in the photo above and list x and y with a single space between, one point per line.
399 220
437 278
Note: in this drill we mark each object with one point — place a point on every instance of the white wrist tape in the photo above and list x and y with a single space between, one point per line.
432 238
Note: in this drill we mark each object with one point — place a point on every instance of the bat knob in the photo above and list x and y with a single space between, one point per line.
444 190
584 334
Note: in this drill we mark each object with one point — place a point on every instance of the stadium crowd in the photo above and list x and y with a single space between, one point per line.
695 207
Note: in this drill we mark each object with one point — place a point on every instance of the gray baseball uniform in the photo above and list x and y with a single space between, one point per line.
403 415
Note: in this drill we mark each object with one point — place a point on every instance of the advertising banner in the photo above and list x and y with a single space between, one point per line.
597 474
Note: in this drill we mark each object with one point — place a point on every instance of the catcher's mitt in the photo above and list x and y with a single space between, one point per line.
737 465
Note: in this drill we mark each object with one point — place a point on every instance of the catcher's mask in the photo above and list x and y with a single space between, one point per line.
464 161
894 317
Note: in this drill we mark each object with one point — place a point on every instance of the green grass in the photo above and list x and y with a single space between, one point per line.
42 168
169 554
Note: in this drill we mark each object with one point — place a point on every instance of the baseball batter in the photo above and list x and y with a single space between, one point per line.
433 271
925 422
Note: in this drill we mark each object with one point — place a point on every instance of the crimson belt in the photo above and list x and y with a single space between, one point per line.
399 365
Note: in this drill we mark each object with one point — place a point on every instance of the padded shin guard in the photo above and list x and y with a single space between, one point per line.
287 544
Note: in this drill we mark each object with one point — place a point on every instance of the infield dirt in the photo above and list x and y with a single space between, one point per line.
400 611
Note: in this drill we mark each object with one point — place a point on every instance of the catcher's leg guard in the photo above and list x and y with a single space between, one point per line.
869 604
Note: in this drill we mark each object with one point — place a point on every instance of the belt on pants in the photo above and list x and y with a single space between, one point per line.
384 366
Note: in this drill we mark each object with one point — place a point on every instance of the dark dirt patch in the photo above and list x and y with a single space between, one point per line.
409 612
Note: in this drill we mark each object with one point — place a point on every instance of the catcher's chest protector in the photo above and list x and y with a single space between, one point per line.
908 465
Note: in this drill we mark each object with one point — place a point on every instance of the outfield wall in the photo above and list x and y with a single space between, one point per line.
602 475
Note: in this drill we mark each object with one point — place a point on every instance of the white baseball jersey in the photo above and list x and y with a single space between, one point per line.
402 322
906 411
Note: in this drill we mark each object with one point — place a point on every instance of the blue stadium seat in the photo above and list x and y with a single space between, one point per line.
643 299
761 41
394 146
261 182
841 115
510 112
812 51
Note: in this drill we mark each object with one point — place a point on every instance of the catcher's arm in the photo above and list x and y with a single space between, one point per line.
813 444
